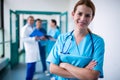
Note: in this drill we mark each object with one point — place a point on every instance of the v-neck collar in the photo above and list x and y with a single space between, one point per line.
73 39
78 46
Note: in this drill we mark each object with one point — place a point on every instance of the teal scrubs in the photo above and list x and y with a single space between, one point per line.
79 55
54 32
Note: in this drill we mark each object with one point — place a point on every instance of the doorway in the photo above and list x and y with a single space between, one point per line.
18 19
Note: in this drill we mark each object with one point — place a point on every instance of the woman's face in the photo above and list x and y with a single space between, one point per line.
82 16
52 24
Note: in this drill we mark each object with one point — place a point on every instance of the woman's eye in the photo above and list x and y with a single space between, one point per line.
79 14
87 15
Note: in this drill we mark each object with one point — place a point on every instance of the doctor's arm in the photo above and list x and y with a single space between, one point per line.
94 69
55 69
82 73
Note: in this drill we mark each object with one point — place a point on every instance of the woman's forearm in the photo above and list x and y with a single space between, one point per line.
54 69
82 73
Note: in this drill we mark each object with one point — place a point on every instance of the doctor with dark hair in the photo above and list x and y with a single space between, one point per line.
42 44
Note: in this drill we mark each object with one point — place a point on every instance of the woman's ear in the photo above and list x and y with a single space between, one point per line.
72 14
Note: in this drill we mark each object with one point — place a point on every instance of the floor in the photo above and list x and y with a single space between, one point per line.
19 73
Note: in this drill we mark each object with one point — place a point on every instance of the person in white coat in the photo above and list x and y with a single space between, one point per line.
32 53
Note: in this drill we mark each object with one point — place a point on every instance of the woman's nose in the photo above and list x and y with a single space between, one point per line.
83 18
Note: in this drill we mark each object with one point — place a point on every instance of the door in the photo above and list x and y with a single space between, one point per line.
14 38
64 22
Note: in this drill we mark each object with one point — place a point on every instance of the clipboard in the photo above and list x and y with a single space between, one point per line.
36 32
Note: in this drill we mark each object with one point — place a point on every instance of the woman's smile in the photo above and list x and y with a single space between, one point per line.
81 23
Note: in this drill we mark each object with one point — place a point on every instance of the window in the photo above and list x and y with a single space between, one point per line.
1 29
1 43
1 14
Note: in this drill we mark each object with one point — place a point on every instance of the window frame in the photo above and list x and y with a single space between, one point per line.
2 27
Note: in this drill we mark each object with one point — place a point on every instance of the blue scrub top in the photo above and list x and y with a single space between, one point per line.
54 33
79 58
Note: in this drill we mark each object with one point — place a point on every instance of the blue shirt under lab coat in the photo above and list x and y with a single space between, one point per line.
79 58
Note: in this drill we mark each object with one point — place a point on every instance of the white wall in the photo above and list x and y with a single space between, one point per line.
37 5
29 5
70 20
107 24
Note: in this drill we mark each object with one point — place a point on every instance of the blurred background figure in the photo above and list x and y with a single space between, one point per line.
32 54
54 30
42 44
54 33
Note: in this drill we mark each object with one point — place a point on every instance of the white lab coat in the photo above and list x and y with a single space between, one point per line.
30 44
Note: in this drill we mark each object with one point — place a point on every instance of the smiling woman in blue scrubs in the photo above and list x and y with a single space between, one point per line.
79 54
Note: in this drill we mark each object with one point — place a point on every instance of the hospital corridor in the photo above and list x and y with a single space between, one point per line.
59 39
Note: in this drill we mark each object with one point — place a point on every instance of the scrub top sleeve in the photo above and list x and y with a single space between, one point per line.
99 56
57 34
53 57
